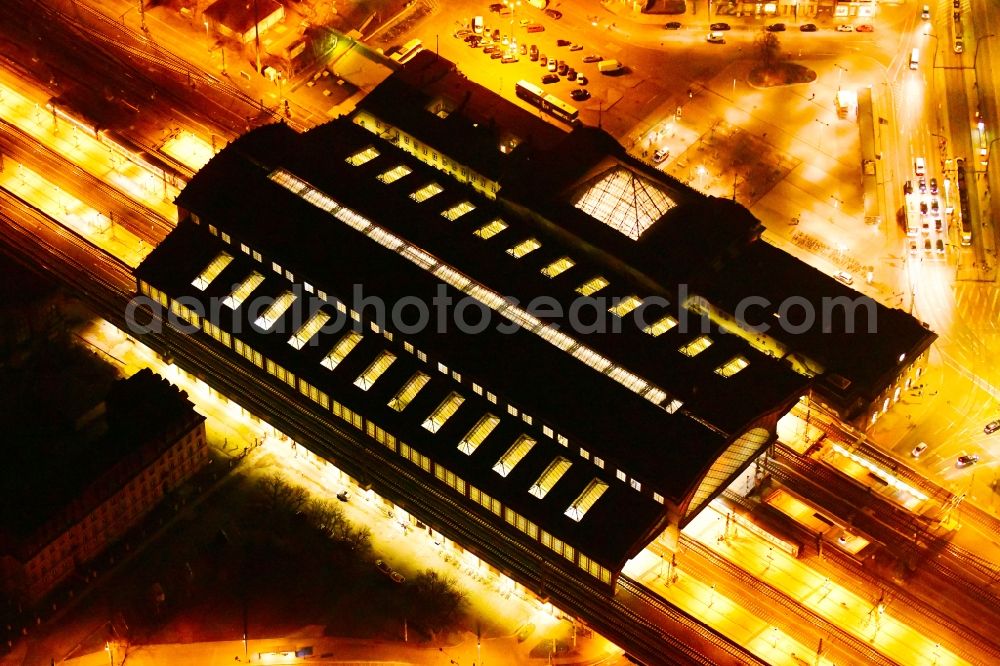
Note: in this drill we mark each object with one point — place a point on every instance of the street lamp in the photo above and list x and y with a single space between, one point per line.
701 171
975 56
840 74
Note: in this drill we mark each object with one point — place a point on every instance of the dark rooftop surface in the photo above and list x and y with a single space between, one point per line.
238 15
42 476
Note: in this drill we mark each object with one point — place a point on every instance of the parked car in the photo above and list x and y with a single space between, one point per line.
673 25
843 27
934 186
524 49
912 243
927 245
571 74
576 47
563 42
776 27
507 59
496 55
844 276
543 60
966 460
563 69
808 27
939 246
383 567
533 53
715 38
579 94
593 58
715 27
496 6
918 449
992 427
554 14
922 184
344 495
490 49
864 27
908 187
535 27
923 207
660 155
581 80
938 225
935 208
553 64
550 78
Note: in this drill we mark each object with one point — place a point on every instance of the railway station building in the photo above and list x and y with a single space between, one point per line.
573 346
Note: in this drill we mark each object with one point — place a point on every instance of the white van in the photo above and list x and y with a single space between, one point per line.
609 66
914 58
919 168
477 25
925 13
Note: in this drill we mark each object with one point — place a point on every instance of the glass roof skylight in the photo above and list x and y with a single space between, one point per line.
625 201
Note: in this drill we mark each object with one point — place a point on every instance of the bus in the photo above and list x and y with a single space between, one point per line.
914 58
547 102
911 214
407 51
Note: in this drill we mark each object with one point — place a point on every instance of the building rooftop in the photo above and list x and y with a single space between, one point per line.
49 482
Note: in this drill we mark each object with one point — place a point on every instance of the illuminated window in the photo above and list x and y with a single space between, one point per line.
212 271
587 498
479 432
625 305
375 370
457 211
514 455
657 497
558 266
592 286
243 290
309 329
661 326
444 411
341 350
552 473
409 391
275 310
490 230
732 366
524 248
394 174
696 346
635 485
360 157
426 192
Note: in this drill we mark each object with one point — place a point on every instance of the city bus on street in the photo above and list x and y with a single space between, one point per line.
547 102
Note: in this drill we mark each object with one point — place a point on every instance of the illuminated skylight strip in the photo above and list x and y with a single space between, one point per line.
360 157
243 290
514 455
309 329
549 477
444 411
275 310
450 276
409 391
587 498
212 271
478 434
375 370
341 350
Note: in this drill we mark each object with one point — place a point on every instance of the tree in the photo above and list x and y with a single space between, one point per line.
439 600
280 497
768 48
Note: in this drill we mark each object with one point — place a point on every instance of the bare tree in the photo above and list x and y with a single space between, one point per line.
280 497
768 48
